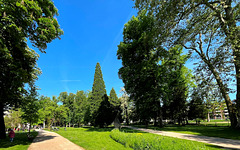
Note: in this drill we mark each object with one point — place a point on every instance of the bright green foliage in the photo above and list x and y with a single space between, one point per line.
30 107
113 99
69 102
140 71
176 84
51 112
142 141
80 106
21 20
13 119
98 91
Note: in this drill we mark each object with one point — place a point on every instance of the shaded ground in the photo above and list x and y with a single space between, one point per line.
226 143
52 141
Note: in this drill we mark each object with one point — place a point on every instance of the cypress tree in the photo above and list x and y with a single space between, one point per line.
113 99
98 91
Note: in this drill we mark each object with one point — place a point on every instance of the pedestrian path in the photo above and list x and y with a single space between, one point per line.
226 143
52 141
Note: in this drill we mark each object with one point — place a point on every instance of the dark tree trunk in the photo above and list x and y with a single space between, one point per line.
2 124
127 118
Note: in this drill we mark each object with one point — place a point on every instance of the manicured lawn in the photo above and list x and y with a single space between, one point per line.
92 138
141 141
223 132
20 142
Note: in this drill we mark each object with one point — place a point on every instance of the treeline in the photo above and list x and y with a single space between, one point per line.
68 109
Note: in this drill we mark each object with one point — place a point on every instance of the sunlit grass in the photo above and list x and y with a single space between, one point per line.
222 132
91 138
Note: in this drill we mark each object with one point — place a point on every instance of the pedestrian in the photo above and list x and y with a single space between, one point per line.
11 135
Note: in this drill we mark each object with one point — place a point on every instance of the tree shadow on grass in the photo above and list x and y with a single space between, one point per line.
20 139
109 129
95 129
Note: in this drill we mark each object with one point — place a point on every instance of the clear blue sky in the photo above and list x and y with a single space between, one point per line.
92 31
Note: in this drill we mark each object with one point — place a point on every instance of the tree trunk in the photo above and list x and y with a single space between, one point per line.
208 117
223 90
127 118
237 68
2 124
160 118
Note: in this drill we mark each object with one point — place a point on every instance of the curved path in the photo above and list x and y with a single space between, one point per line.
226 143
52 141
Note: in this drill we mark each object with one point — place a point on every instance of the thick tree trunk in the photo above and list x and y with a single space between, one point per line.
2 124
223 90
237 67
230 107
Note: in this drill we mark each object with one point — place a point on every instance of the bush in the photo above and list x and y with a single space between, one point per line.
142 141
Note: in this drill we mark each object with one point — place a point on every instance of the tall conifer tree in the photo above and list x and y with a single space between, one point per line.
98 91
113 99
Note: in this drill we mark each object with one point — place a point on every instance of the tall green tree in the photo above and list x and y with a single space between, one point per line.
30 107
21 20
113 98
98 91
177 82
80 107
141 72
195 25
197 106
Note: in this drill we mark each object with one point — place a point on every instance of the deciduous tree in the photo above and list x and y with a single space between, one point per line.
21 20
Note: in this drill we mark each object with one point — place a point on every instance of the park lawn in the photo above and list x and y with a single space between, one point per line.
91 138
20 142
142 140
222 132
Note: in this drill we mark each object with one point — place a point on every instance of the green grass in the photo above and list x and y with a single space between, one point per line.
142 141
20 142
222 132
91 138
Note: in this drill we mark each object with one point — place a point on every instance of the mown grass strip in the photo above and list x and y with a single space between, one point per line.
92 138
222 132
20 142
143 141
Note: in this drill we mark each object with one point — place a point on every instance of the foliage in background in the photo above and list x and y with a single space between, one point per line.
13 119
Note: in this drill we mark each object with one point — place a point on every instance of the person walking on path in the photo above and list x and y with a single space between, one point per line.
11 135
222 142
52 141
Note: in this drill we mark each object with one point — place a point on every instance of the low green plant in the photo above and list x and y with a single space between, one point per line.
143 141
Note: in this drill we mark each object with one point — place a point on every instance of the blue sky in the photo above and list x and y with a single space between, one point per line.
92 31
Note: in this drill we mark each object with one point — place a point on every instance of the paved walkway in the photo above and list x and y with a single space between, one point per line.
226 143
52 141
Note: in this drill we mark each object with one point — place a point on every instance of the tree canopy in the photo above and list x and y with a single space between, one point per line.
22 20
207 28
